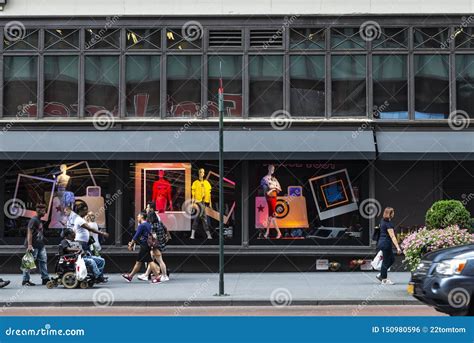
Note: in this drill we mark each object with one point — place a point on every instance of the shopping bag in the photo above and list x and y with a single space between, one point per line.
28 262
377 262
81 270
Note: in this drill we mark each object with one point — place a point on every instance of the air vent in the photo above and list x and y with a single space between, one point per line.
266 39
225 38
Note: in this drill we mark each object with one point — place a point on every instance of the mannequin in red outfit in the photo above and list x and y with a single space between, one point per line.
161 194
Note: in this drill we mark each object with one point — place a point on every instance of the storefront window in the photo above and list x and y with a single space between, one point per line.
431 86
230 69
57 186
318 203
186 197
60 86
20 86
389 73
307 92
266 85
143 86
101 84
465 83
184 86
348 85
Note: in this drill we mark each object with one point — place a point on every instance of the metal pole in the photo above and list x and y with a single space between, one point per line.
221 184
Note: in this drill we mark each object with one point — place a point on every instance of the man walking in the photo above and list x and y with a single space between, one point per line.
35 244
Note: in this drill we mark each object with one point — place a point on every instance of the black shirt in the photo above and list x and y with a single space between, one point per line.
37 235
385 239
65 244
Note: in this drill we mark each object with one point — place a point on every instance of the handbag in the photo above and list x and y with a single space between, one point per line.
377 261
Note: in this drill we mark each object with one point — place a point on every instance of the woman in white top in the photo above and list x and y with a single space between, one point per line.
90 219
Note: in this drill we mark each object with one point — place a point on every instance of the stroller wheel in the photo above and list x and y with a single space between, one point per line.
84 284
50 284
69 280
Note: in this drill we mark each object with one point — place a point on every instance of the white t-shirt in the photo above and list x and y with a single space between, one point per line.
93 225
82 234
70 220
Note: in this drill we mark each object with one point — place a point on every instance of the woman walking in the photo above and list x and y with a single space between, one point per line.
141 237
387 237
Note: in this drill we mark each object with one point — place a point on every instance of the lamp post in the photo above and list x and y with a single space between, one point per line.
221 183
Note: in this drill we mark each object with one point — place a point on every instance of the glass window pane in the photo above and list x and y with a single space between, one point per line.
464 37
313 38
232 82
143 39
307 93
183 86
20 86
389 75
431 38
16 37
391 38
101 84
63 39
265 85
348 85
143 85
465 83
431 86
187 38
103 38
60 86
346 38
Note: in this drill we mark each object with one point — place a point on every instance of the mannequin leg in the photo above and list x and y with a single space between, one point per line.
276 228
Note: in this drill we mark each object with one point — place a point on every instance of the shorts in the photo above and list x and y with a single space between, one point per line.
144 254
271 203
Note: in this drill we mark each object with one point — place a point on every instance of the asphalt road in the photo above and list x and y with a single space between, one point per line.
337 310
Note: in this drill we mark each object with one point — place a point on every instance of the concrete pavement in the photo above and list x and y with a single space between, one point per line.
198 289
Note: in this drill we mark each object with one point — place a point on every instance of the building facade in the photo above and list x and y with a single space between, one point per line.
357 108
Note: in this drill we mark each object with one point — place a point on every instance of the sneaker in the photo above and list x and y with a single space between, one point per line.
100 279
387 282
127 277
164 278
156 280
28 283
44 281
142 277
379 277
4 283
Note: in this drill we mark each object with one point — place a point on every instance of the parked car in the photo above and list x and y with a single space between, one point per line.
445 280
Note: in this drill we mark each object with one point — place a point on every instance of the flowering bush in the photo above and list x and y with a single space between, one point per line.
423 241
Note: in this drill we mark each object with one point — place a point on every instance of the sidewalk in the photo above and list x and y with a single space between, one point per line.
186 289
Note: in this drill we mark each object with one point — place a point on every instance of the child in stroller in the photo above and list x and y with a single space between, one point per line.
69 251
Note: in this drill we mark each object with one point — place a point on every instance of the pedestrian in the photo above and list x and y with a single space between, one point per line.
82 228
141 238
95 246
387 237
160 234
34 242
4 283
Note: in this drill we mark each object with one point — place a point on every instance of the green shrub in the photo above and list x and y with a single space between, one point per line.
445 213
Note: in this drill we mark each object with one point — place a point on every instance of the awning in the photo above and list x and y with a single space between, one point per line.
188 144
430 145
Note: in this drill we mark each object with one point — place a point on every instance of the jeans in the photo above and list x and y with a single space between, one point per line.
41 259
388 259
95 264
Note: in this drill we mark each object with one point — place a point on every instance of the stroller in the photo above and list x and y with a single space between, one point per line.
66 274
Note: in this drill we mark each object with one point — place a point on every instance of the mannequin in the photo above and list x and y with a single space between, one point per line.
161 194
66 197
201 196
271 188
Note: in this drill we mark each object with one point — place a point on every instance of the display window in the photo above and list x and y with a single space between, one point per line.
59 186
315 203
185 195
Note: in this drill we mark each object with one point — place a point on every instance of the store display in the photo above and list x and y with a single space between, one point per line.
201 195
290 212
28 191
161 194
